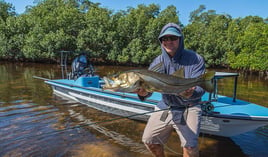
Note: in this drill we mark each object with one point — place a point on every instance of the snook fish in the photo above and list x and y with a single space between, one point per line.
153 81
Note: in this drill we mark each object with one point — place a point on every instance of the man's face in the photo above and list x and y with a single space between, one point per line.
170 43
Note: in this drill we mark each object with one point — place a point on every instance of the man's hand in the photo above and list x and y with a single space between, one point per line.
187 93
141 92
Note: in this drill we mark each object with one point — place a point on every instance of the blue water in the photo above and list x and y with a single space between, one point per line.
253 143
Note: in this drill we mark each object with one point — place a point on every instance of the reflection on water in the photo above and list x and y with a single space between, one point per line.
24 126
121 139
34 122
260 143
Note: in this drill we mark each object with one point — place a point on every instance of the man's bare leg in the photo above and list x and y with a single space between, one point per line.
156 149
190 152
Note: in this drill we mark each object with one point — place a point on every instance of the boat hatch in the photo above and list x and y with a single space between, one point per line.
88 81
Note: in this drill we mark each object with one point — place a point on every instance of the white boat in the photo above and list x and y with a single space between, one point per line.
222 115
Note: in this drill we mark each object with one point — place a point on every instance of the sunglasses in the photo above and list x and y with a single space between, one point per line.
171 38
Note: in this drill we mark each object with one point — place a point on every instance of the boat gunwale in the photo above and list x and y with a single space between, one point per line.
147 103
238 117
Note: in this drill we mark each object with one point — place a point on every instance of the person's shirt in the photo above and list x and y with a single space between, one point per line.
193 65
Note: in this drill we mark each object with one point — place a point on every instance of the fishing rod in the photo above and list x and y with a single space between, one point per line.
206 106
93 123
84 125
41 78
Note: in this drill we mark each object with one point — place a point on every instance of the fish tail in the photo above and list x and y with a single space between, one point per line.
208 83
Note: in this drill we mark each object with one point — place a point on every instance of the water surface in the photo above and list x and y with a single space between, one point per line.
36 123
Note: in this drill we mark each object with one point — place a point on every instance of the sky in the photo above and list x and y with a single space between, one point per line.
235 8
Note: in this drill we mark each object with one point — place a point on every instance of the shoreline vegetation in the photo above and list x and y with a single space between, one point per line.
129 37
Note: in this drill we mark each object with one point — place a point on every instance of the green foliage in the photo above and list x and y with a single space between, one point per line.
55 25
130 36
207 35
253 48
222 41
135 40
6 10
96 35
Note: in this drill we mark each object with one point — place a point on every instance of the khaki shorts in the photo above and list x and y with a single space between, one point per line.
158 132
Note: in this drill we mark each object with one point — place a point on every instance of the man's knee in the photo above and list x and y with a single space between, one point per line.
190 152
156 149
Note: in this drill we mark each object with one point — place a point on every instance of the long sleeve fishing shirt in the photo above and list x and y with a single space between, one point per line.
193 65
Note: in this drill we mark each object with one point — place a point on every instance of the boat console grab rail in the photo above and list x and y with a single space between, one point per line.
220 75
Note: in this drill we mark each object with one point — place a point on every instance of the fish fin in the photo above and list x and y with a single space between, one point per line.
157 68
179 73
208 84
209 75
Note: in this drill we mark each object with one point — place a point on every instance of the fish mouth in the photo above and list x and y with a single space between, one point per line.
111 83
108 83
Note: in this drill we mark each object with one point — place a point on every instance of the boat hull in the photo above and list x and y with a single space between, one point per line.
128 105
137 111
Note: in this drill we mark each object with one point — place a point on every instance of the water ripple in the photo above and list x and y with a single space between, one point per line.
28 129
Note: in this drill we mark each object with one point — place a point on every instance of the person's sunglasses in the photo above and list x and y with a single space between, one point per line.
171 38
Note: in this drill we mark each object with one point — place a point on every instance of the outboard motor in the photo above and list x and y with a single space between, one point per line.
81 67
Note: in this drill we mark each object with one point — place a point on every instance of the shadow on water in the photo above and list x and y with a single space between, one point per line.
34 122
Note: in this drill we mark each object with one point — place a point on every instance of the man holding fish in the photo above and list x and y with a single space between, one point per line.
185 114
178 74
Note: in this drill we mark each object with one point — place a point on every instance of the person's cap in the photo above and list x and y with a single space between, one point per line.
171 31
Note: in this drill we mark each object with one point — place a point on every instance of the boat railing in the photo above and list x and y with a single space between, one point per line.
221 75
